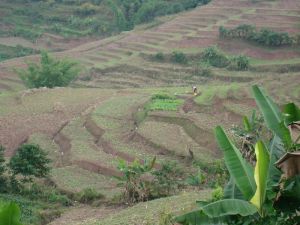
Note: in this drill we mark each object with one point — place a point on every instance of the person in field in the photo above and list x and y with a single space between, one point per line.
195 91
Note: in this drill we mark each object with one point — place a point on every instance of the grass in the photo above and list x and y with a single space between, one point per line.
75 179
150 212
209 92
29 209
165 104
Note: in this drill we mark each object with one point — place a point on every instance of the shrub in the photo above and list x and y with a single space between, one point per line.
215 57
179 57
30 161
167 179
50 73
159 56
240 62
264 36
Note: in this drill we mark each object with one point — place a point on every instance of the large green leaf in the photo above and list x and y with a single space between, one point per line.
276 151
10 215
229 207
291 113
197 217
231 191
239 169
272 115
261 175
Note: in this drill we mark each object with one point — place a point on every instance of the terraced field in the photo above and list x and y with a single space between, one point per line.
89 126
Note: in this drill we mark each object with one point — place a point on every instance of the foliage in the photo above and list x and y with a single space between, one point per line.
159 57
240 62
259 196
164 102
179 57
10 214
30 161
50 73
217 194
143 182
8 52
167 179
264 36
136 180
214 57
249 133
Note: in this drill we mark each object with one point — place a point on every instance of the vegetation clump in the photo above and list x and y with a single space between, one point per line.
49 73
264 36
164 102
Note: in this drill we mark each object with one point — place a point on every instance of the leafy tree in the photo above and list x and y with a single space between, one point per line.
30 161
49 73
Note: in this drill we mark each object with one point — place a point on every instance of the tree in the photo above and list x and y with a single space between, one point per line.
30 161
50 73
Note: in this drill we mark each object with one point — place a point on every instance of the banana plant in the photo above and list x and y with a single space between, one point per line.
246 193
10 214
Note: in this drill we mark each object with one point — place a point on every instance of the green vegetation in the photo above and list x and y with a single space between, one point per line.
50 73
70 18
30 161
10 214
7 52
264 36
256 196
163 102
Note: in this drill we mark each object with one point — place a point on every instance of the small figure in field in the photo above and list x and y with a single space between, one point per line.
195 91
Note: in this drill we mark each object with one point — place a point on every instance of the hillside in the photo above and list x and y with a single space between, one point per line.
103 116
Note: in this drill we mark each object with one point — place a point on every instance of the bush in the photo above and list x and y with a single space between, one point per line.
264 36
50 73
214 57
159 56
240 62
179 57
167 179
30 161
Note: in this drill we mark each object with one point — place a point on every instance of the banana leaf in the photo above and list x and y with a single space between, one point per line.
261 175
231 191
10 215
240 170
227 207
197 217
272 116
291 113
277 150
